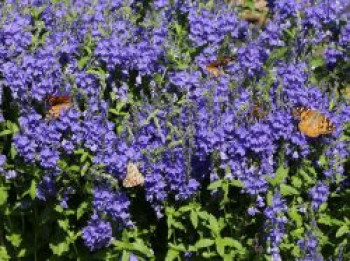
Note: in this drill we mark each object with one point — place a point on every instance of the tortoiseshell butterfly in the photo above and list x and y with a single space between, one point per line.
313 123
215 67
58 104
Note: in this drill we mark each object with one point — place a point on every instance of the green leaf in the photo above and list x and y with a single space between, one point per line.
228 241
64 224
3 254
185 208
236 183
214 225
209 254
288 190
13 152
74 168
142 248
3 195
125 256
172 255
5 132
82 209
32 189
295 216
220 246
281 174
22 252
215 185
14 239
83 61
342 231
269 197
60 248
317 61
180 247
205 242
194 219
296 182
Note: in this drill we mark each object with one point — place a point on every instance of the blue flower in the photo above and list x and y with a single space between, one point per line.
97 234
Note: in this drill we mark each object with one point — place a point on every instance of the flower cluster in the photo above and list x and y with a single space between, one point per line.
140 89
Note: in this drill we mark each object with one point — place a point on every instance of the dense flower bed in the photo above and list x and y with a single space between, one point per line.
174 130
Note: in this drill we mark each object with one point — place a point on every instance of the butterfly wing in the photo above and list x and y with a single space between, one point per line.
57 105
214 68
325 126
313 123
133 176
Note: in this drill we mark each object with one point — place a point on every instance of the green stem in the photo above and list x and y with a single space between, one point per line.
35 234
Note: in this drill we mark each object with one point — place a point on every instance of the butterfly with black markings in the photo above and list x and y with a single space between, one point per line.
133 176
313 123
58 104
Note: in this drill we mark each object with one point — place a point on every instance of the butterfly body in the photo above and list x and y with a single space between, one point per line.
313 123
58 104
133 176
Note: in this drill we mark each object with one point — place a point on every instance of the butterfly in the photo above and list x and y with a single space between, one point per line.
258 15
215 67
133 176
312 123
58 104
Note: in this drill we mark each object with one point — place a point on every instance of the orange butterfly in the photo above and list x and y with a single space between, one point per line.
215 68
58 104
133 176
313 123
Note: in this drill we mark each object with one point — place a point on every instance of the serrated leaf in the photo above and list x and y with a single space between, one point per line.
205 242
